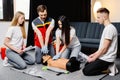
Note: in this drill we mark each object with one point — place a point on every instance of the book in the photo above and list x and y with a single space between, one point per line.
29 48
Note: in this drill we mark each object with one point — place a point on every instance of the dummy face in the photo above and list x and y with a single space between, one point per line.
21 19
43 15
60 24
100 18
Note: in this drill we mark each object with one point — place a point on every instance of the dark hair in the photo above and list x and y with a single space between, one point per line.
103 10
41 8
73 64
65 28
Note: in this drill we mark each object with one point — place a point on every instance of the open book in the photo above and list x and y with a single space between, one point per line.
82 57
29 48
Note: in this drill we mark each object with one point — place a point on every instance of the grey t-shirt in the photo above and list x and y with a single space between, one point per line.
74 42
110 33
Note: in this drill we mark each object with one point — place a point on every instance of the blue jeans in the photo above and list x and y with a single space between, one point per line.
19 61
38 53
71 52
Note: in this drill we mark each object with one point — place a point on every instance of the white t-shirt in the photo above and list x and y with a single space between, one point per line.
110 33
15 35
74 42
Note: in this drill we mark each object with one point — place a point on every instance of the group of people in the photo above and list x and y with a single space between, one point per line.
66 35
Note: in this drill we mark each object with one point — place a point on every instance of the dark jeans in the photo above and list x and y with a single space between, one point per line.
39 54
96 68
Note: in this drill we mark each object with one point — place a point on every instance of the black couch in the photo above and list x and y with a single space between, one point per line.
89 33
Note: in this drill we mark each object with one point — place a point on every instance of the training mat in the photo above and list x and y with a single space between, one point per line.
116 77
36 70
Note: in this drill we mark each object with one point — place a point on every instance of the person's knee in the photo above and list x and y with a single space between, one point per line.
38 61
74 55
32 61
87 72
23 66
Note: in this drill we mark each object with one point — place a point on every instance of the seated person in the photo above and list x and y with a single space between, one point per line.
105 56
14 41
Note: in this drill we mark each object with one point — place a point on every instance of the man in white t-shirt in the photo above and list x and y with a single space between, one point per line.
106 54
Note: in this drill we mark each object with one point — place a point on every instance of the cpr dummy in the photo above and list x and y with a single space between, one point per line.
67 64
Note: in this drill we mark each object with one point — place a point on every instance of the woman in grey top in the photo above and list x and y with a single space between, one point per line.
67 35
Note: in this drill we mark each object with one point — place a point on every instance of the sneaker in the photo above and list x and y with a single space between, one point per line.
113 70
5 62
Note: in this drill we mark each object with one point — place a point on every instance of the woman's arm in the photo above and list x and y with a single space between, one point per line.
57 44
6 43
72 32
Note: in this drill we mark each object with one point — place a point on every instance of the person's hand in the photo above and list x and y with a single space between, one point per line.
23 47
57 56
20 51
91 58
44 50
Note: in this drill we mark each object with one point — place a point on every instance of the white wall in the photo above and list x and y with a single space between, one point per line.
1 9
22 5
4 27
112 5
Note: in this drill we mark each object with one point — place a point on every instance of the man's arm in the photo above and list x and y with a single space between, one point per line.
49 30
38 34
7 43
101 51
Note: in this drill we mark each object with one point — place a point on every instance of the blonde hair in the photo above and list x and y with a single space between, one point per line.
15 21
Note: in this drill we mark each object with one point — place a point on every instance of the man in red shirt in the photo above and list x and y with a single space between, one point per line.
43 26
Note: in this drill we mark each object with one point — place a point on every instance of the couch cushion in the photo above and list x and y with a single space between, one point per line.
117 25
94 30
89 45
81 28
89 40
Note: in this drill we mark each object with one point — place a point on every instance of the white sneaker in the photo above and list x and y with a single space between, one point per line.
113 70
5 62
